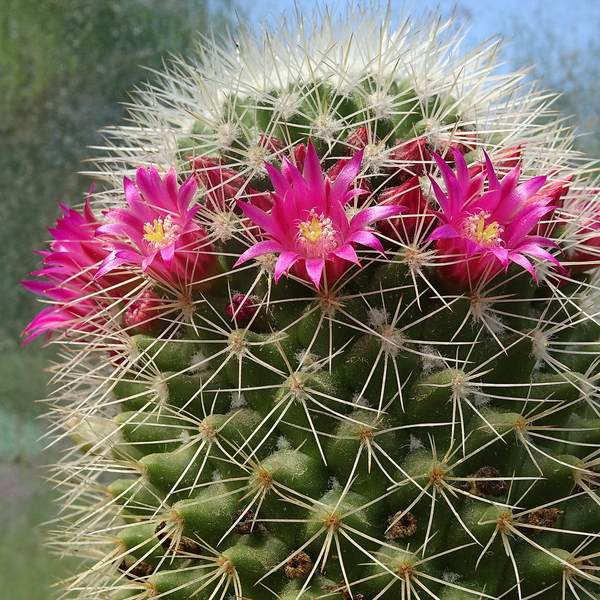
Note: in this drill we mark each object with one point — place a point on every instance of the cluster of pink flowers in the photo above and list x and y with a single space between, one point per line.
478 224
92 266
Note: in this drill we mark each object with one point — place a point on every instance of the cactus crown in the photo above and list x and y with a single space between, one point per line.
336 334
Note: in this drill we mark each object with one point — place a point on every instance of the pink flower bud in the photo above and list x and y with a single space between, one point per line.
270 143
410 159
586 254
221 183
359 139
418 219
461 141
504 161
299 156
143 314
241 309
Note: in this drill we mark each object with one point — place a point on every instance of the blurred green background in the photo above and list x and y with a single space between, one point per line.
65 67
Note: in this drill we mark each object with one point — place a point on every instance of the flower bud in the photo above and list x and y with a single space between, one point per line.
299 156
410 158
417 220
270 143
461 141
143 314
504 161
359 139
220 182
241 309
586 254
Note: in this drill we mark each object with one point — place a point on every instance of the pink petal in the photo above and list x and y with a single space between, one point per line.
491 173
263 220
267 247
281 185
314 268
170 183
284 262
148 260
501 254
448 210
442 232
313 173
462 171
366 238
346 176
168 253
454 192
186 193
525 263
347 252
518 197
115 260
538 252
374 213
131 192
524 222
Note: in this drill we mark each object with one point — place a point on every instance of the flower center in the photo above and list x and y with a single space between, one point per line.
317 236
161 233
486 235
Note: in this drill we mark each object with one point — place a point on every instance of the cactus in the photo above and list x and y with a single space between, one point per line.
336 335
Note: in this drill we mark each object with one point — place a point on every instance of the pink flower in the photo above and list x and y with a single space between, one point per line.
79 297
158 232
308 225
485 228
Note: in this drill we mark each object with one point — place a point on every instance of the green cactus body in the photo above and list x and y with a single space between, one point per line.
413 417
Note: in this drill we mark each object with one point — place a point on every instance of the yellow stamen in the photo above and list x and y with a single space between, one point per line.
312 230
486 233
161 233
477 231
317 236
155 232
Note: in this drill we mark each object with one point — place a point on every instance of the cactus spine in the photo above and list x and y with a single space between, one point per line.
337 335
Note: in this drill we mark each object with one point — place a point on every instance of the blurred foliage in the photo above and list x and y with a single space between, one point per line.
65 69
567 62
68 49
